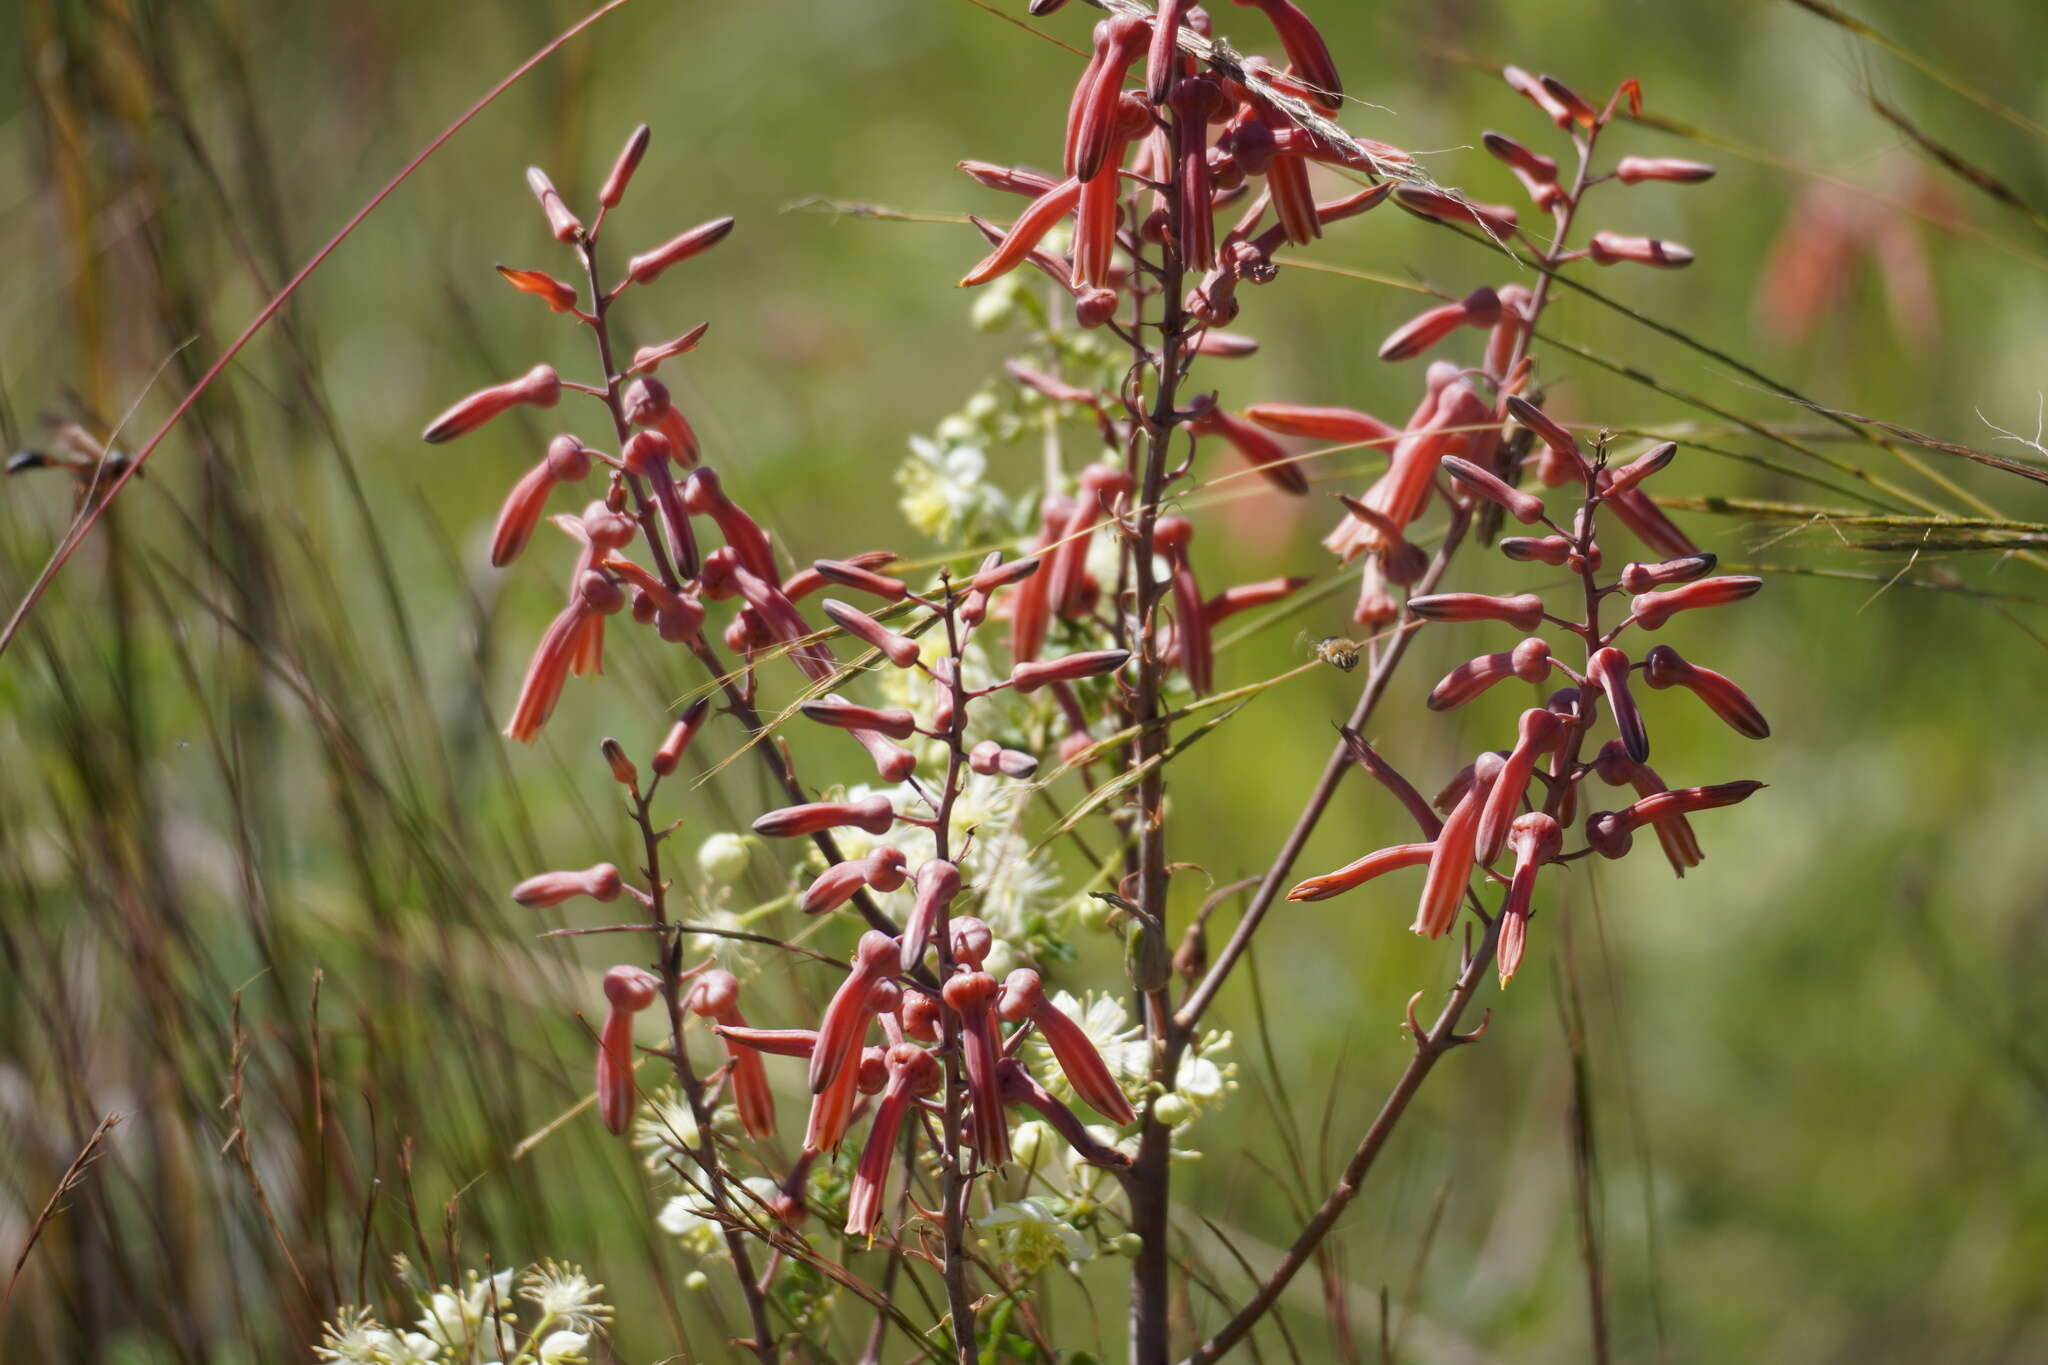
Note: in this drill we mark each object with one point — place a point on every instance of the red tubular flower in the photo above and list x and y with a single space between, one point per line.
1634 170
1029 677
704 495
614 188
1622 480
1674 832
1529 661
899 650
1538 731
648 357
808 580
1538 173
971 939
648 265
842 714
1162 57
848 574
1170 536
646 403
972 995
920 1015
716 996
1639 578
777 614
776 1042
1095 213
1043 214
1246 596
990 758
871 813
912 1072
647 454
1568 99
600 883
1536 839
893 762
1653 609
1526 508
1610 832
1496 220
1547 430
1608 670
1341 425
521 513
630 990
596 597
1195 100
1265 454
1451 856
539 387
1507 333
1096 112
1306 50
1031 608
1294 200
1664 667
561 222
1523 611
845 1024
938 882
1018 1087
1024 998
1609 248
1480 308
1101 487
1014 179
832 1111
1356 874
679 736
559 297
841 882
1533 89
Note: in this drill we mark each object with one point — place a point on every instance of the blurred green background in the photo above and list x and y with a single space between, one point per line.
251 734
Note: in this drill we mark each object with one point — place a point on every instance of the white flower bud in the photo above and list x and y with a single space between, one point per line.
724 858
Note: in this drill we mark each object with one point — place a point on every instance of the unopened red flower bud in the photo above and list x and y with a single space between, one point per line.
1245 596
568 459
1029 677
1264 453
614 188
1608 670
648 357
850 575
623 771
1535 91
1656 458
1529 661
562 223
1526 508
896 722
899 650
521 513
989 758
1023 997
1538 731
1634 170
1664 667
937 882
1582 113
1481 308
539 387
1496 220
1356 874
1342 425
679 736
1523 611
600 883
629 990
874 814
1653 609
1609 248
1547 429
648 265
1640 578
1534 166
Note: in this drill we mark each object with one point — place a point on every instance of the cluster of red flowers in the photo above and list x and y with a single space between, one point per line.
1485 428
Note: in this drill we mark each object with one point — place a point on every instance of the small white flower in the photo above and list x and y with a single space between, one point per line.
565 1295
564 1348
354 1337
724 857
1030 1236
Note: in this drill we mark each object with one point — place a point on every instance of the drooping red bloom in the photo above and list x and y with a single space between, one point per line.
539 387
1355 874
937 882
629 990
1023 998
1536 839
972 995
716 996
911 1072
600 883
1539 730
1665 667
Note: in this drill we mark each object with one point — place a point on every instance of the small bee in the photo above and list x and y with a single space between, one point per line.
1334 650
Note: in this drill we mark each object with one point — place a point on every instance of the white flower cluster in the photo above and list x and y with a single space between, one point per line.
480 1321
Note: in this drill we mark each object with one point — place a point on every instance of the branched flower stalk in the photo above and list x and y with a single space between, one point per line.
940 1034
